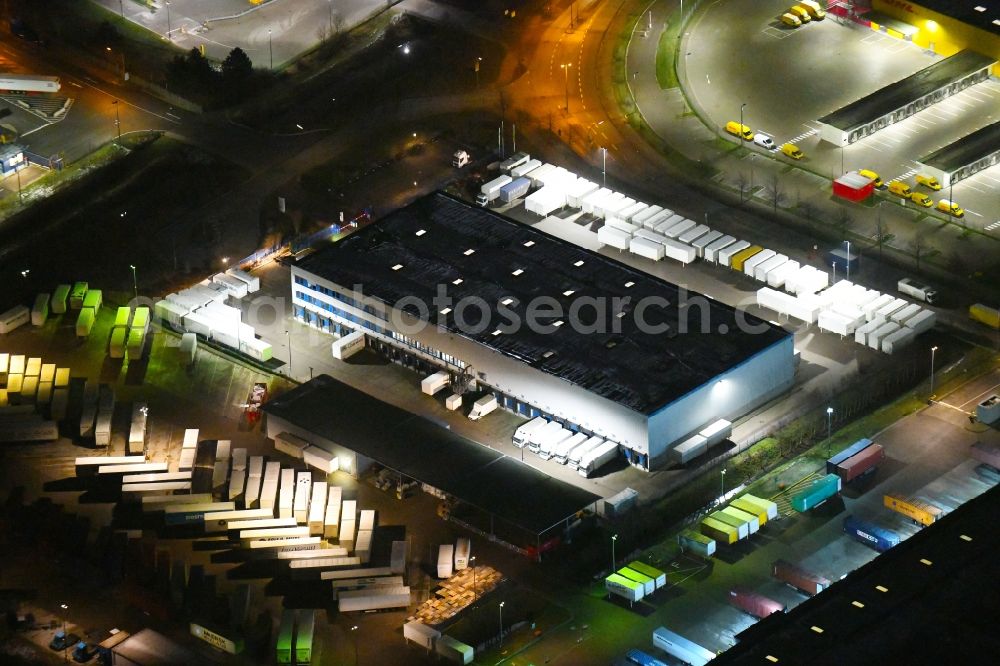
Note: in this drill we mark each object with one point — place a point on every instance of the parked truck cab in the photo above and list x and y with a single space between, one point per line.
460 159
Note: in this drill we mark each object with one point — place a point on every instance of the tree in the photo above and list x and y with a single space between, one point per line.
882 235
237 66
775 191
919 247
844 221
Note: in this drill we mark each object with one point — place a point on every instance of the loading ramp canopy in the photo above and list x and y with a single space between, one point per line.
431 454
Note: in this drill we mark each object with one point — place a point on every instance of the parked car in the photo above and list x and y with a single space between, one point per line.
62 640
764 141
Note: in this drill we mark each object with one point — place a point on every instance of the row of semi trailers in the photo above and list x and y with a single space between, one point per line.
880 321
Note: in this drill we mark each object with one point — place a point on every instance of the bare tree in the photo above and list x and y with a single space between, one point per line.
844 221
882 235
920 248
742 181
775 190
338 22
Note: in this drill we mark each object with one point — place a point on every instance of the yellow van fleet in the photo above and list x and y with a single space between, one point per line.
872 176
792 151
899 188
921 199
739 130
930 182
800 13
791 19
815 11
951 208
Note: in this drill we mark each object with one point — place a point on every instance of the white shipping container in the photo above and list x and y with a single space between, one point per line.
421 634
236 288
373 599
446 554
577 192
346 536
644 247
694 233
761 270
679 251
898 339
240 459
711 252
647 213
613 237
689 449
776 278
703 241
902 315
875 337
654 221
862 332
237 483
290 445
252 281
922 321
885 312
669 223
725 255
303 486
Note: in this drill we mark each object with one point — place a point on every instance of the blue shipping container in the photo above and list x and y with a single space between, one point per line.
642 659
871 535
514 189
853 449
816 493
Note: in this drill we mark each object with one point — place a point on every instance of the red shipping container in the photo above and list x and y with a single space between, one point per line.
860 463
853 187
755 604
798 578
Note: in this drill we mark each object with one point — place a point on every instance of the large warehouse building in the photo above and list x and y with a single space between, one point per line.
619 353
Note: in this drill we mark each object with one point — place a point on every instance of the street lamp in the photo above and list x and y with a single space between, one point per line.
118 122
742 106
614 538
472 561
501 622
565 69
933 349
25 272
829 427
270 51
475 66
848 259
288 342
723 475
168 21
145 416
354 630
833 265
65 609
135 284
604 168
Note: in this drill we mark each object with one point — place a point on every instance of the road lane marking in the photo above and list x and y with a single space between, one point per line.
40 127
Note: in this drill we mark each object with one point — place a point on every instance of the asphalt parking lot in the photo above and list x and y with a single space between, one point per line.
788 78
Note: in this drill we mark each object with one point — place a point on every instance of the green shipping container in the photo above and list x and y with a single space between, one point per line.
283 650
721 532
122 316
141 317
654 573
743 504
304 636
93 299
648 584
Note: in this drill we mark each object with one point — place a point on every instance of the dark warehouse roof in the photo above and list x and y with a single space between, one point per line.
970 148
414 250
430 453
899 94
939 604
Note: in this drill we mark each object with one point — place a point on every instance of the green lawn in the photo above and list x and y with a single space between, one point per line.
666 74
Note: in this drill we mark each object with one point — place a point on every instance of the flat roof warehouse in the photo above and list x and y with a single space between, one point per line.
441 241
430 453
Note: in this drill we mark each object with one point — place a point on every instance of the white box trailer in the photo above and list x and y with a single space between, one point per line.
347 534
523 432
331 519
777 277
552 432
875 337
690 540
617 223
366 521
40 310
886 311
834 322
283 542
303 486
134 491
139 469
578 191
286 494
620 586
654 221
560 453
445 562
903 315
462 552
725 255
898 339
679 228
597 458
693 234
545 200
922 321
668 222
454 650
421 634
574 457
491 190
681 648
321 459
268 532
593 198
186 460
347 574
291 445
102 429
348 345
363 546
237 483
171 312
137 431
644 247
154 477
317 508
373 599
240 459
689 449
679 251
762 269
872 307
236 288
862 332
616 238
699 244
252 281
717 431
434 383
647 213
712 250
313 554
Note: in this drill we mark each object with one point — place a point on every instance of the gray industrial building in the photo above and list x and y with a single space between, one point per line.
968 156
904 98
594 366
